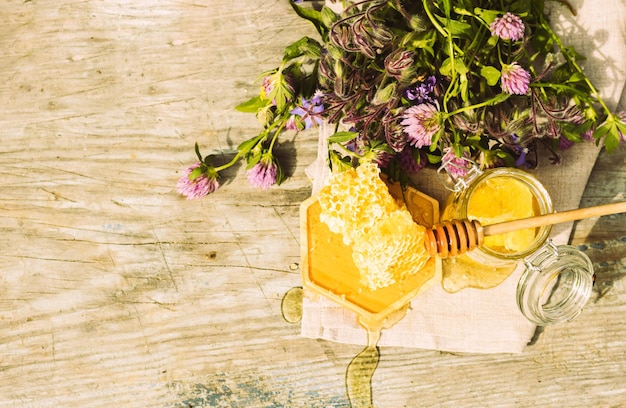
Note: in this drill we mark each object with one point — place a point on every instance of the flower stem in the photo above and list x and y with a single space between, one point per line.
276 133
279 123
347 151
496 99
230 163
432 19
573 62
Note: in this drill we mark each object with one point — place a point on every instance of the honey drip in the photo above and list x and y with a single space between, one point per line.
360 372
361 368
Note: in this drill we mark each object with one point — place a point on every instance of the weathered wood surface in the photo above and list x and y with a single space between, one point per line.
116 292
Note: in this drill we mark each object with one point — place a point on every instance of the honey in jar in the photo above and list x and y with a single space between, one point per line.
493 196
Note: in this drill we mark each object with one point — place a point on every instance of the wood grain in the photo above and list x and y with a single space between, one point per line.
115 291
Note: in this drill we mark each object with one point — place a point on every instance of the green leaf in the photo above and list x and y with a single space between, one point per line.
248 145
329 17
197 150
338 163
457 28
281 94
491 74
313 16
498 99
195 173
459 67
611 141
252 105
573 132
342 137
433 158
464 88
612 130
304 46
458 150
621 125
447 8
487 15
252 160
463 12
435 138
384 95
602 130
280 174
446 67
419 41
576 77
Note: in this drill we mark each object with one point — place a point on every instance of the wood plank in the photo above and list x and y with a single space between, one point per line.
115 291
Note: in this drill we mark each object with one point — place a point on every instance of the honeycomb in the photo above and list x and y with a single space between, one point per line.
387 244
504 199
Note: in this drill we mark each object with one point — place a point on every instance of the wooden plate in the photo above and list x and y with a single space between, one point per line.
328 268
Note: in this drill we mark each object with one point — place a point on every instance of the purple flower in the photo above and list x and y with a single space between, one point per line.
411 160
382 159
420 124
521 151
267 87
421 92
588 135
565 143
457 167
310 110
317 98
198 181
264 174
515 79
508 27
521 159
291 123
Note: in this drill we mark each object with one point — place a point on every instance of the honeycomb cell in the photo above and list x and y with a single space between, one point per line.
387 244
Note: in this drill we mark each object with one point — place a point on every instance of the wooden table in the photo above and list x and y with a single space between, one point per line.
117 292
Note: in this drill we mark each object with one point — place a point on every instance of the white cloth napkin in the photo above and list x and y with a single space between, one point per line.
488 321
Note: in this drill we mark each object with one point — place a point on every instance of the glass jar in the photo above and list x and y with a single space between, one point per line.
556 281
556 284
495 195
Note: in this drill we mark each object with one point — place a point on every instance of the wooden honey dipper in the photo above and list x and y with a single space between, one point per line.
454 237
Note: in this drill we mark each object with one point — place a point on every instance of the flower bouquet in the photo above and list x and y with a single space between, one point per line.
409 84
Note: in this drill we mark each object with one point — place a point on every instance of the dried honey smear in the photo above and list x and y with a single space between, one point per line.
387 245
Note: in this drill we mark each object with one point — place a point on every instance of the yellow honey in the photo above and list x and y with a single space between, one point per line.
501 199
494 196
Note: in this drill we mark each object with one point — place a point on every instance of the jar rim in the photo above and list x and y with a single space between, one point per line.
562 272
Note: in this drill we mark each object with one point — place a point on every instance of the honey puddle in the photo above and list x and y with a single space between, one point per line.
291 305
360 370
